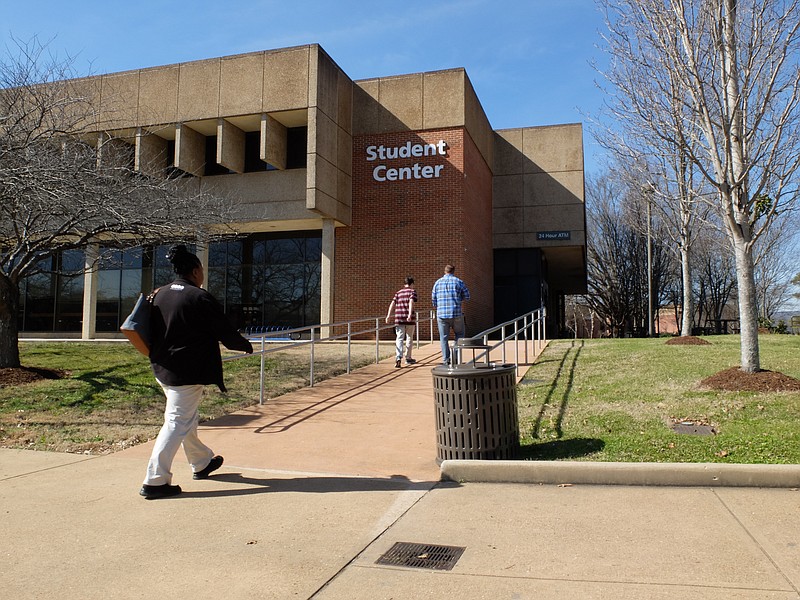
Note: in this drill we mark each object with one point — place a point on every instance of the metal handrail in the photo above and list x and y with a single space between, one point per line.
533 328
530 327
312 335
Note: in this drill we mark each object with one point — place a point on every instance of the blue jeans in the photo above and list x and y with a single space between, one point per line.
457 324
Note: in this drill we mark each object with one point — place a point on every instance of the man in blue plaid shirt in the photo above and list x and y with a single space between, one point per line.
447 295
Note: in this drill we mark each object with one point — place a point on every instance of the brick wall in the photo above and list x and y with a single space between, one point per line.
416 226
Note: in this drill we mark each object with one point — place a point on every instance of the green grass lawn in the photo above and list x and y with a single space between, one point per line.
601 400
110 399
615 400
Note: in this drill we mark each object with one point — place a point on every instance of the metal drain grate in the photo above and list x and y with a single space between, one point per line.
422 556
690 428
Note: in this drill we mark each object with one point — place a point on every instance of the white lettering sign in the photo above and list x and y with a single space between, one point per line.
408 150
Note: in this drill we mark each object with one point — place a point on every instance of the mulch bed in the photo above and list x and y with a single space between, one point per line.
736 380
22 375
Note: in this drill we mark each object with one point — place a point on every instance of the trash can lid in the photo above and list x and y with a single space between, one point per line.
476 343
466 369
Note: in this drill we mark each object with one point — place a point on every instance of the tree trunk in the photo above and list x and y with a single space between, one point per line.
748 307
9 334
688 298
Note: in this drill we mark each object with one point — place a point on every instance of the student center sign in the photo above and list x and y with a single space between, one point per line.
408 150
341 189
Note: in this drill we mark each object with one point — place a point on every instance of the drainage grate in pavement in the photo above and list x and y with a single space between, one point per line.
422 556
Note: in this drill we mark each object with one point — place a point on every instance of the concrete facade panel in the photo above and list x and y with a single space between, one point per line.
286 79
230 146
564 217
508 157
241 84
89 89
344 142
327 84
326 179
158 95
443 99
508 240
345 92
508 190
151 154
119 100
477 124
367 111
324 141
190 150
273 142
553 148
508 220
402 98
198 90
263 188
554 188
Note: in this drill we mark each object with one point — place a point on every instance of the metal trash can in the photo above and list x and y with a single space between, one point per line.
476 410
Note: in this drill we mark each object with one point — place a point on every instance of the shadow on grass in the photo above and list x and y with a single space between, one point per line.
565 371
561 449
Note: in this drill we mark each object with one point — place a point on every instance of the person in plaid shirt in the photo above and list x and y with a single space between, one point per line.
447 295
405 320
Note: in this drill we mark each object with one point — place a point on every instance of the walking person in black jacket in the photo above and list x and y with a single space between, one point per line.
187 326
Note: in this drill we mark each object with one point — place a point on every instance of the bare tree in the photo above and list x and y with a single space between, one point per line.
773 268
716 278
64 185
732 66
617 263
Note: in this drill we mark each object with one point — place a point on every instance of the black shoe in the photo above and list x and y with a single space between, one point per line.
397 364
410 361
215 464
152 492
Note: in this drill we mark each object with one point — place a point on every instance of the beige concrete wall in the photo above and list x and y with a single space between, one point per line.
158 95
538 185
287 82
230 96
329 180
263 196
273 142
230 146
190 150
151 154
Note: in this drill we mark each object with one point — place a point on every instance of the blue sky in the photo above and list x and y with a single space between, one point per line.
529 60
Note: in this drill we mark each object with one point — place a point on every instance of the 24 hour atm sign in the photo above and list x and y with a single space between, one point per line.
409 151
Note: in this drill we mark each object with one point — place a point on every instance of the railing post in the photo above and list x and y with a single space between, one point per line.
377 340
525 330
349 343
261 376
503 341
311 372
516 343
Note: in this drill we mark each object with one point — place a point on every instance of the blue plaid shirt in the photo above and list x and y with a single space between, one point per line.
447 295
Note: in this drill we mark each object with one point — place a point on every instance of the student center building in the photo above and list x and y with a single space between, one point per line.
341 189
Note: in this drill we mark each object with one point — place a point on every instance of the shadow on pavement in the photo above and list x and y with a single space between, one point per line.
315 485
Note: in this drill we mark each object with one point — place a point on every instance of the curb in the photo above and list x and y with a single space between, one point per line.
607 473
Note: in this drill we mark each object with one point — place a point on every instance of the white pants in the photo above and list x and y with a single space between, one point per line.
405 339
180 427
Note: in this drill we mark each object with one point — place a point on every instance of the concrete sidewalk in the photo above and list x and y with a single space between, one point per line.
319 484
